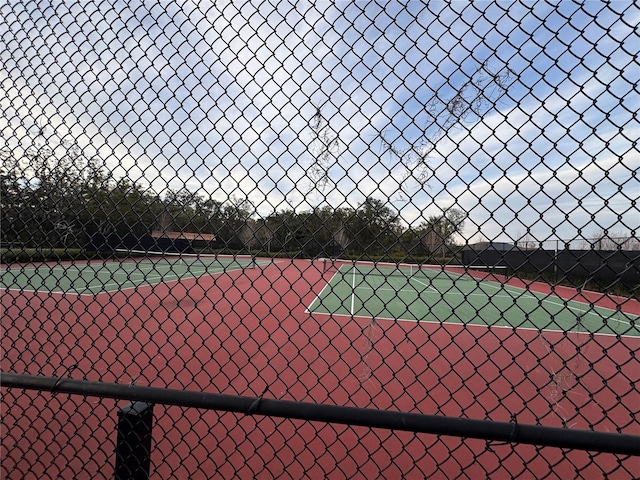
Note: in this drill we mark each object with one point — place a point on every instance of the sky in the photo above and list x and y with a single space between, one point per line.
220 97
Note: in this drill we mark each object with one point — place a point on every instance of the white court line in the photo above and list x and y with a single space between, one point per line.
386 289
589 310
470 325
168 277
326 285
353 290
103 287
429 287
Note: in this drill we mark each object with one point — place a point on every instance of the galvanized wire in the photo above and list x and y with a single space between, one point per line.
402 206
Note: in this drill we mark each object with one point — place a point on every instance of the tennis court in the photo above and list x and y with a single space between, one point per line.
454 295
137 270
398 292
240 325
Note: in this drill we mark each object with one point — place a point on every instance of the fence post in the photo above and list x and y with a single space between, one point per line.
133 447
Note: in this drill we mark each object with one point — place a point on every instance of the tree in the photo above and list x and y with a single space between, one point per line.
190 212
234 216
374 227
437 233
527 242
130 209
283 231
341 238
411 242
249 234
13 203
605 240
314 232
46 192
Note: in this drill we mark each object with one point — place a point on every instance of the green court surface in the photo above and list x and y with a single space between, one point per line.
439 296
90 278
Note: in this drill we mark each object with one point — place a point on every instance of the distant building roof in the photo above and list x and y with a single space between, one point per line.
207 237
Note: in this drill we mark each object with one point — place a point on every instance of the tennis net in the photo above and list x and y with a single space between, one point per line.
188 260
413 270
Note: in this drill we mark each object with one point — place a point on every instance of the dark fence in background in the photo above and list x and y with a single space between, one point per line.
597 265
319 239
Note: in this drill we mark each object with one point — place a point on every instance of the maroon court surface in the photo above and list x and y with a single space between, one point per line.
243 332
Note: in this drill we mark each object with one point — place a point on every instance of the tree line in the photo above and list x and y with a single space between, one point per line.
53 200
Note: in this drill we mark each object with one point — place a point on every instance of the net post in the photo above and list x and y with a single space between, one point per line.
133 447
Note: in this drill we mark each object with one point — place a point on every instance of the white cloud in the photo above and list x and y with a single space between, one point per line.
218 97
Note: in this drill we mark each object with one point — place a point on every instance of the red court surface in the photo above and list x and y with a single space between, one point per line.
242 332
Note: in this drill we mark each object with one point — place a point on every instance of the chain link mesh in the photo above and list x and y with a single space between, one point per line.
406 206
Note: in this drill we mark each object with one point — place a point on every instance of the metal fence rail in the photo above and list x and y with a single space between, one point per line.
510 432
319 239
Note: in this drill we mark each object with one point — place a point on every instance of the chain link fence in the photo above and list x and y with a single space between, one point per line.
319 239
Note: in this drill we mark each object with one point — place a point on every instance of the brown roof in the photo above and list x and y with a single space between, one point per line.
208 237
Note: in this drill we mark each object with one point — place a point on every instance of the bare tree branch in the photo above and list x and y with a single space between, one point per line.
324 148
470 102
